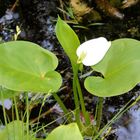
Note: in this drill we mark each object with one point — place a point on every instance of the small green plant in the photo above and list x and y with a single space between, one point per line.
117 61
26 67
70 42
16 130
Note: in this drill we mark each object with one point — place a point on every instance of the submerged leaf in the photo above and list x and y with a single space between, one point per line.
25 66
120 69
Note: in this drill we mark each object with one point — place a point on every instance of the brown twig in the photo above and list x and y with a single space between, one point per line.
14 5
41 116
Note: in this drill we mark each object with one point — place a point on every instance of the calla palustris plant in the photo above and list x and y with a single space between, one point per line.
118 61
25 66
120 69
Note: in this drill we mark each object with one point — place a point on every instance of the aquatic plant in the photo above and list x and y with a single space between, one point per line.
27 67
118 64
16 130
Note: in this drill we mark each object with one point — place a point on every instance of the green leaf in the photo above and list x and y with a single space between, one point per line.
65 132
68 39
120 68
6 93
14 131
25 66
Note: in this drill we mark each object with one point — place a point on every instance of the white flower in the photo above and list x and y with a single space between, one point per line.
92 51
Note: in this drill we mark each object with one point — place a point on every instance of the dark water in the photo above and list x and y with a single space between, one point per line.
37 21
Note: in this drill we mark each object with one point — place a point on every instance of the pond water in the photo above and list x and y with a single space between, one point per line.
131 130
37 22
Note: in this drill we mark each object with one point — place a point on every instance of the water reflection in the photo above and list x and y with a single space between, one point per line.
7 103
131 131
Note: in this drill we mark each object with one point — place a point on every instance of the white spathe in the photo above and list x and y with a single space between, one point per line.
92 51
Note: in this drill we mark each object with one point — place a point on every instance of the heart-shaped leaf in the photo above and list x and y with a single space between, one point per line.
25 66
65 132
120 69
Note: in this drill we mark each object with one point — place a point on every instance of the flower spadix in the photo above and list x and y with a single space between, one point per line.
92 51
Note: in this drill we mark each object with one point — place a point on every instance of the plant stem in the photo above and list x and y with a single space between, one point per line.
85 113
59 101
99 113
76 101
80 94
16 109
27 116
